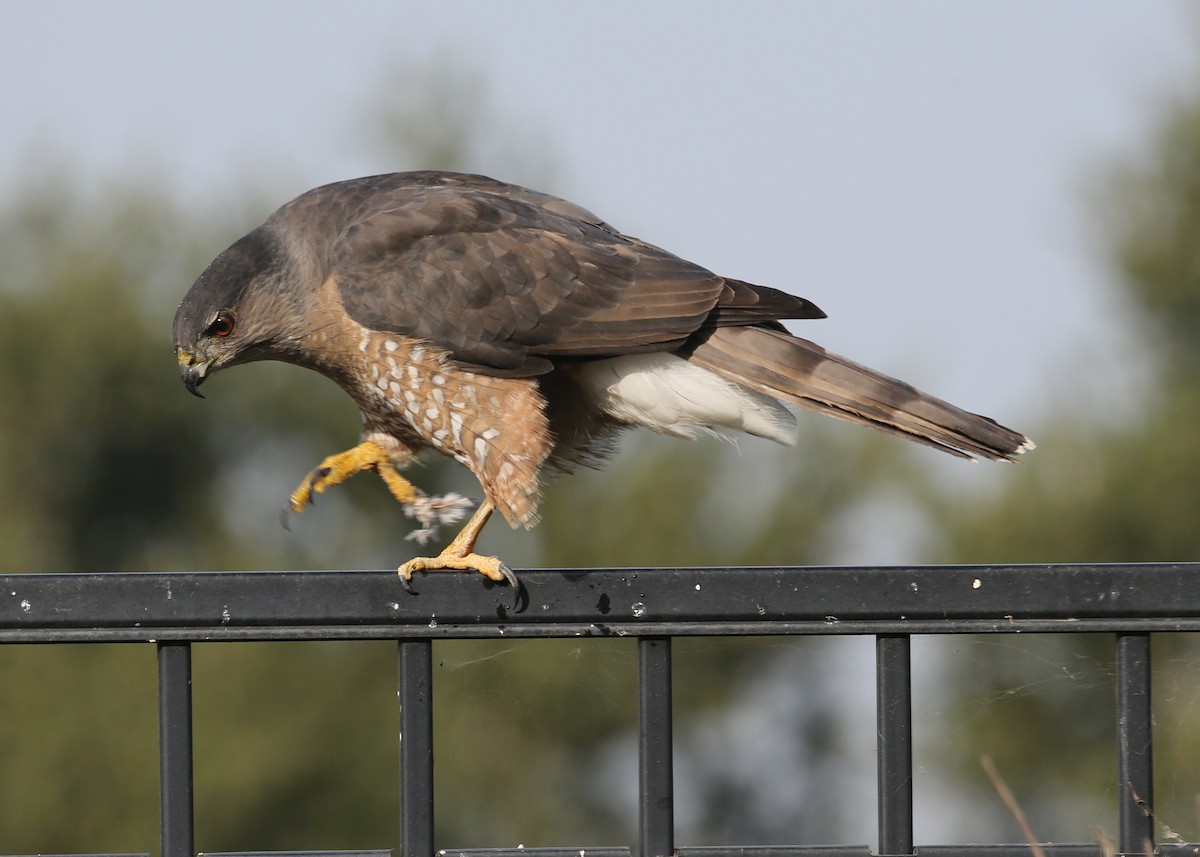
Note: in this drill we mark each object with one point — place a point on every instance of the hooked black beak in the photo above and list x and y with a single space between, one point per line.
192 372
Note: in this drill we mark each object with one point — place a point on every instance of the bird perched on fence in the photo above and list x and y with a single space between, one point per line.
518 333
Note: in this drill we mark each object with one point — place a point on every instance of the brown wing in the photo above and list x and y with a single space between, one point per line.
504 278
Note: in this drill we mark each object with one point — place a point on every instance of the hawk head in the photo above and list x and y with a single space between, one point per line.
243 307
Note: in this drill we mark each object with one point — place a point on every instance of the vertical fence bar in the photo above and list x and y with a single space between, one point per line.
893 709
176 820
416 748
1135 774
656 780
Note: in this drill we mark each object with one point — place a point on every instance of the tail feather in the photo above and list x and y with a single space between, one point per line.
803 373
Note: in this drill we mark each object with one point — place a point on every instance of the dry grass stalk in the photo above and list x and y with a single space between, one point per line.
1006 795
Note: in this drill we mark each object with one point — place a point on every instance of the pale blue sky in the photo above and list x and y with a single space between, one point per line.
918 169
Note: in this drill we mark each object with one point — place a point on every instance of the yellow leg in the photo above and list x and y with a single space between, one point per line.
338 468
460 554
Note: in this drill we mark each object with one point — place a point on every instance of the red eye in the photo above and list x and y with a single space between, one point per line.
222 325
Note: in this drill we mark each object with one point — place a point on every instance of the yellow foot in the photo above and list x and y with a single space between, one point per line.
460 555
338 468
489 566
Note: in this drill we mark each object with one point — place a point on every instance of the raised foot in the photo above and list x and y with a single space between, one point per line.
489 566
338 468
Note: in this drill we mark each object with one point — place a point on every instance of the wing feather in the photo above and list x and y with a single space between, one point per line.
503 277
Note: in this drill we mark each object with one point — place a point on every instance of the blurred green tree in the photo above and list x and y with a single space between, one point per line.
110 465
1115 483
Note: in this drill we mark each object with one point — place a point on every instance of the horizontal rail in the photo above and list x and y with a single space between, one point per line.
1077 849
372 853
289 605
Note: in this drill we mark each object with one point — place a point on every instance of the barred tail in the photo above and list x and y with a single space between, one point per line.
803 373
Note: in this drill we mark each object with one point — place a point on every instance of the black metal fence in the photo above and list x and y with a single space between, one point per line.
173 611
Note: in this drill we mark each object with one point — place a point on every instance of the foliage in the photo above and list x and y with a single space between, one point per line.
1107 490
110 465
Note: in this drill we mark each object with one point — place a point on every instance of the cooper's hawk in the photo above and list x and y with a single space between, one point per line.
518 333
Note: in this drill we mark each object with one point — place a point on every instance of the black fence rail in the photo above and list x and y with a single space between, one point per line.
173 611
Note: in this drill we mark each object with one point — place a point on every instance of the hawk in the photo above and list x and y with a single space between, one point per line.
519 333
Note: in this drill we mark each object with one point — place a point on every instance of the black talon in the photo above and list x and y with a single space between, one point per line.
520 595
407 584
509 576
285 517
319 473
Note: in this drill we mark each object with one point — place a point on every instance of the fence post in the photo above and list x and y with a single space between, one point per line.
656 781
416 748
893 709
176 821
1135 776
